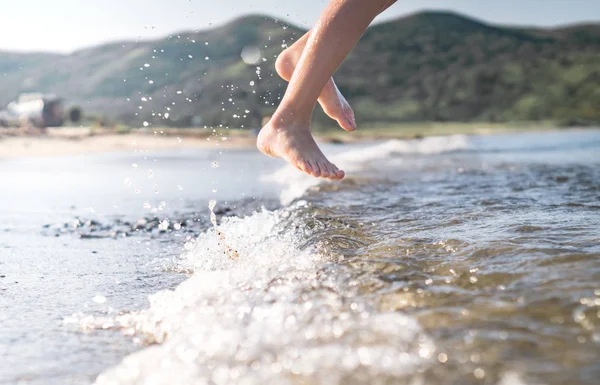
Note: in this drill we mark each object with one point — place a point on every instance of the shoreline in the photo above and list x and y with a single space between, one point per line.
79 141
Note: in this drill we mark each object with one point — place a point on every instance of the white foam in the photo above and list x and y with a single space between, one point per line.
353 161
511 378
270 316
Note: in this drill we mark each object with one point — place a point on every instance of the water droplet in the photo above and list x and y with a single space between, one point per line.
150 173
425 352
214 164
252 83
479 373
99 298
134 165
211 206
164 225
146 124
146 65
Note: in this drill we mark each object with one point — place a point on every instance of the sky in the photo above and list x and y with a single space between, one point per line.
68 25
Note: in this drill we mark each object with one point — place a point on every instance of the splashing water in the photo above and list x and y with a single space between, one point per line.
442 261
231 253
271 315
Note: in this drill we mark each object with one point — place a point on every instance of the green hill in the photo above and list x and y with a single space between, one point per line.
431 66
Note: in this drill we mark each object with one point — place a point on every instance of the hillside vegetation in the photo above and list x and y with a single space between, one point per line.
430 66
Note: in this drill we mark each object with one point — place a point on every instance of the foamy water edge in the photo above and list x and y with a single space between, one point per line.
262 318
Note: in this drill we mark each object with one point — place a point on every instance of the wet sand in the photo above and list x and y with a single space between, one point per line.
83 141
77 141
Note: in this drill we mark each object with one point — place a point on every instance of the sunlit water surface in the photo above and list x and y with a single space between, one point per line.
453 260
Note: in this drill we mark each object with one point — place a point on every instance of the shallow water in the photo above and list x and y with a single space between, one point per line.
52 266
455 260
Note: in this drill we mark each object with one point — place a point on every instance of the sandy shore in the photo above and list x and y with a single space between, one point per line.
68 142
77 141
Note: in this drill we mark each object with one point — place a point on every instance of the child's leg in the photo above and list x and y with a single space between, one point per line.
331 100
287 135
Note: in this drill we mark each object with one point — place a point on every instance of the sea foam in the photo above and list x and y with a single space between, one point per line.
296 184
262 306
270 315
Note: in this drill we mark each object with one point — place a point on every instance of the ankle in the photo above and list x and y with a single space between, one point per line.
287 117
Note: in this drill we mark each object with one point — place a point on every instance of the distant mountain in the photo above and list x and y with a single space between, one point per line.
430 66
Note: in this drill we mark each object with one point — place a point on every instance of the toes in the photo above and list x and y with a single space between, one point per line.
349 111
325 170
317 169
345 118
339 174
306 167
349 116
336 106
346 123
336 172
333 172
322 169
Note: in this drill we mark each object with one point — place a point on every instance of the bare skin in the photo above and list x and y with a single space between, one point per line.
292 140
332 101
287 135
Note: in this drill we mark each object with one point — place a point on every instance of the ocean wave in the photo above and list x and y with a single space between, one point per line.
296 183
268 313
267 303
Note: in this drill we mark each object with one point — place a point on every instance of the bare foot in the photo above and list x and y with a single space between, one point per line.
295 144
331 99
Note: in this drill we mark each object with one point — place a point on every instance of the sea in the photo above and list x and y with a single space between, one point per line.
443 260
